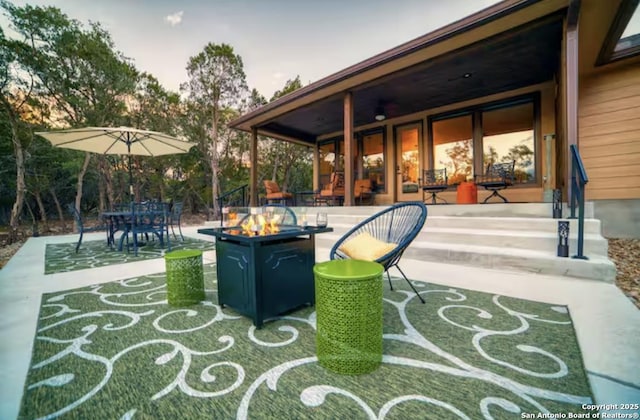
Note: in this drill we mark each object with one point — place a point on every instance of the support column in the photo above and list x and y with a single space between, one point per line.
572 86
316 168
348 149
547 195
253 173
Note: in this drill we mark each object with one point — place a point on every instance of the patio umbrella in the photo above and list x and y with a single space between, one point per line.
118 141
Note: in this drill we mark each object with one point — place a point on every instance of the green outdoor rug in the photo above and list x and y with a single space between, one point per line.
63 257
117 351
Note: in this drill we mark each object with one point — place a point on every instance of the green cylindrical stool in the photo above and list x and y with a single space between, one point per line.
185 277
349 315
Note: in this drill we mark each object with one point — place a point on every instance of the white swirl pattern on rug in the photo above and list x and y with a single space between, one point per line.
153 296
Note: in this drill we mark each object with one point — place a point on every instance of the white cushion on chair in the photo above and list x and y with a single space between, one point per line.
366 247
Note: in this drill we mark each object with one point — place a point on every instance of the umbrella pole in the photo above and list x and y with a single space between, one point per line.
131 195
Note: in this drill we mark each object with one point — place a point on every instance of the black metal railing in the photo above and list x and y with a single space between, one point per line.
237 197
578 181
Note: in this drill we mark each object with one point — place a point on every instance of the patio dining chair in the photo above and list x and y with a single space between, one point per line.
77 217
498 176
175 214
383 237
147 218
434 181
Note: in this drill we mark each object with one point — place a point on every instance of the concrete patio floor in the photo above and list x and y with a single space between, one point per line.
607 324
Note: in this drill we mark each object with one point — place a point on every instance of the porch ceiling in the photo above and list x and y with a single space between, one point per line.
505 62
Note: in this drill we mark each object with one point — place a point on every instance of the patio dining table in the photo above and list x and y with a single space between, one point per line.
116 220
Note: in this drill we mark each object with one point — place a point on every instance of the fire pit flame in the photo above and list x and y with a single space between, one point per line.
259 226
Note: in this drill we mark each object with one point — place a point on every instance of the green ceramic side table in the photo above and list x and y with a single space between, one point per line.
185 277
349 315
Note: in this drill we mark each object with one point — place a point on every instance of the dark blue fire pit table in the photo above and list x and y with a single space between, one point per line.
265 276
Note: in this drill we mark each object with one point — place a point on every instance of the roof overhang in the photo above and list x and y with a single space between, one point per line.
512 44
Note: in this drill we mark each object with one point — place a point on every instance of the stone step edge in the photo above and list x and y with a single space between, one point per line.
479 249
539 262
519 252
343 227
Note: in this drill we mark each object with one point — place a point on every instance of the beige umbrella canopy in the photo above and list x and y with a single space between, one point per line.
118 141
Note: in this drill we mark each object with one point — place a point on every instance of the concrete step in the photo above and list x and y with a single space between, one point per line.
468 222
597 267
536 210
509 235
519 236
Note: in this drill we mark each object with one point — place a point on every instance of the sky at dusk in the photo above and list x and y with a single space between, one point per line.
277 39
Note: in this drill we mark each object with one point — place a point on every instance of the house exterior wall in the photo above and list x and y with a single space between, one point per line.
609 132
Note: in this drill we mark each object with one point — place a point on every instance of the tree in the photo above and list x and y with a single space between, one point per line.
460 161
78 77
12 103
155 108
523 157
284 159
216 82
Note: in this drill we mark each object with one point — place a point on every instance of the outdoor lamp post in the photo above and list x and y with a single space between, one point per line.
557 204
563 238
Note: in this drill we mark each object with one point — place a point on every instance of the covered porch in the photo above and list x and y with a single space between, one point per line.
493 87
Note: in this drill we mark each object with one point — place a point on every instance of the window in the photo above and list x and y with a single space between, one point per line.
496 132
631 36
623 39
453 147
373 160
507 135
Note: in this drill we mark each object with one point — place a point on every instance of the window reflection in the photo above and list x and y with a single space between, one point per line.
410 164
327 162
373 160
453 147
508 136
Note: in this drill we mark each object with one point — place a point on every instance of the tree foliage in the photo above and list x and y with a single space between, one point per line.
217 84
57 73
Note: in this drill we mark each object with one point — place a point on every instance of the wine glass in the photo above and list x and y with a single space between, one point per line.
321 219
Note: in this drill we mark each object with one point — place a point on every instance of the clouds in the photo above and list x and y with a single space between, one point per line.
174 19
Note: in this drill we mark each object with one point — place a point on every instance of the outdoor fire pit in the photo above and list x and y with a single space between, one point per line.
262 276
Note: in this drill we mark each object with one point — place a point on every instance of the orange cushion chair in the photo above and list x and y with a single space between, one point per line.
334 191
274 193
362 190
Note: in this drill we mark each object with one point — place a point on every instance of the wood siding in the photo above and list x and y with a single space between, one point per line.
609 133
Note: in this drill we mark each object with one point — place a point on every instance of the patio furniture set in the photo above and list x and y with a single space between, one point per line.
332 194
135 220
497 176
264 276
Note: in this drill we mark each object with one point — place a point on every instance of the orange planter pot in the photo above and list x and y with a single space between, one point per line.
467 193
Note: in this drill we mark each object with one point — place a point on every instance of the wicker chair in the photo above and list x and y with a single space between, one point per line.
82 228
396 226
